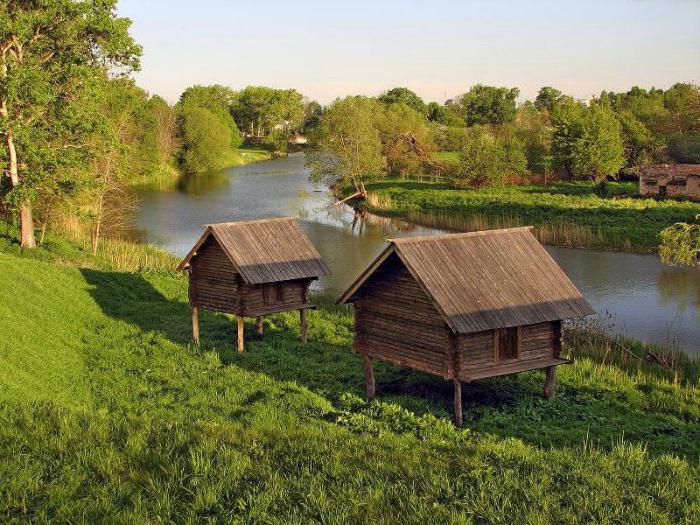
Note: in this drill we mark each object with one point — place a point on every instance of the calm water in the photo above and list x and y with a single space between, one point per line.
647 299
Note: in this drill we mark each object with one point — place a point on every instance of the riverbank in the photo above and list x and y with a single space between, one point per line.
167 177
568 214
109 410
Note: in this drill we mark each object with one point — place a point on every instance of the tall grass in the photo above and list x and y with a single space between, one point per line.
126 256
563 214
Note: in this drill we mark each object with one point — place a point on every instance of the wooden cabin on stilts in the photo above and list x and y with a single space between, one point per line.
252 269
465 307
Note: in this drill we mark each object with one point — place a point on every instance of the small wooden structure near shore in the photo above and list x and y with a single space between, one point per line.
670 180
464 306
251 269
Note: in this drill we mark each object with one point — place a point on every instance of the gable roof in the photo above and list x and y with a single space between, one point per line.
485 280
264 251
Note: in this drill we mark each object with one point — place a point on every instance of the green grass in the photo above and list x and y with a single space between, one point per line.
563 213
248 155
447 156
108 413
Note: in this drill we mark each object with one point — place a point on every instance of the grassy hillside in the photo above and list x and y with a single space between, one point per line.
108 412
563 213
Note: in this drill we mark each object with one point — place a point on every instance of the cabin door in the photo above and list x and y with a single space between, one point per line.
506 344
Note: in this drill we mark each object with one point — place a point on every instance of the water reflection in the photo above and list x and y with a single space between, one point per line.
649 301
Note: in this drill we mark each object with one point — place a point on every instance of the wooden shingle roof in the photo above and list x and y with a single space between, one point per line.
265 251
485 280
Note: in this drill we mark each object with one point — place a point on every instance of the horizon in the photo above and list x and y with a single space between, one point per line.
438 50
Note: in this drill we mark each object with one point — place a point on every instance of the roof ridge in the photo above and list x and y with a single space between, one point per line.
458 235
252 221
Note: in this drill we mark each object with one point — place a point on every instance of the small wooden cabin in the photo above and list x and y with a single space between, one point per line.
670 180
464 306
251 269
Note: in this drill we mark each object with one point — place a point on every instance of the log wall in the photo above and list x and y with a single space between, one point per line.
395 321
537 341
215 285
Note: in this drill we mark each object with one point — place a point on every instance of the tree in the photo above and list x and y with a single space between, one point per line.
348 131
547 98
49 53
489 105
260 109
600 152
444 115
532 128
567 119
217 100
638 141
406 139
405 96
313 112
485 160
206 140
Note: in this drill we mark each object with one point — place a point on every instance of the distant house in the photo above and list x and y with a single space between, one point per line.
298 139
251 269
464 307
670 180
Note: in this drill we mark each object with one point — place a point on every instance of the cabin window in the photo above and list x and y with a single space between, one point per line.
662 190
279 292
506 344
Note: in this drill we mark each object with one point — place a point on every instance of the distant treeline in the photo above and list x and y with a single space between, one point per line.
495 140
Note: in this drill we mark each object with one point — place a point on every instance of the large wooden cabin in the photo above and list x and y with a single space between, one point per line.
464 306
251 269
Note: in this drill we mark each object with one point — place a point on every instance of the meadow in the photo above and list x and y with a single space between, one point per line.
567 214
109 413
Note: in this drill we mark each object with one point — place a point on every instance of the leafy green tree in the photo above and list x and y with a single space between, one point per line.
405 96
684 148
532 128
486 160
638 141
547 98
567 118
489 105
348 131
444 115
407 140
600 152
206 140
259 109
313 112
217 100
51 53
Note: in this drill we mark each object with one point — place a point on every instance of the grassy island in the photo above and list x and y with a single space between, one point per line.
563 213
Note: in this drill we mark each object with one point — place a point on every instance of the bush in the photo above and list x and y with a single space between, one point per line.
685 148
206 141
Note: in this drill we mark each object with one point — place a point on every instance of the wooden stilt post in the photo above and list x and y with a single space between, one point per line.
549 382
304 330
369 376
259 325
458 403
240 333
195 324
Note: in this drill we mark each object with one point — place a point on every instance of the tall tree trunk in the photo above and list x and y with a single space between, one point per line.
26 222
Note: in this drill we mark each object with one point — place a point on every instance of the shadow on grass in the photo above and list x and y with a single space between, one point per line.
131 298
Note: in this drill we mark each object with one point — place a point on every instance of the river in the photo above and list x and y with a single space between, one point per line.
636 294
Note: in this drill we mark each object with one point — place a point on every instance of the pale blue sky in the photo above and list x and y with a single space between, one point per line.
438 48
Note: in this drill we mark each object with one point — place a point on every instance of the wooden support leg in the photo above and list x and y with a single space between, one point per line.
549 382
240 333
304 330
458 403
259 325
369 376
195 324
